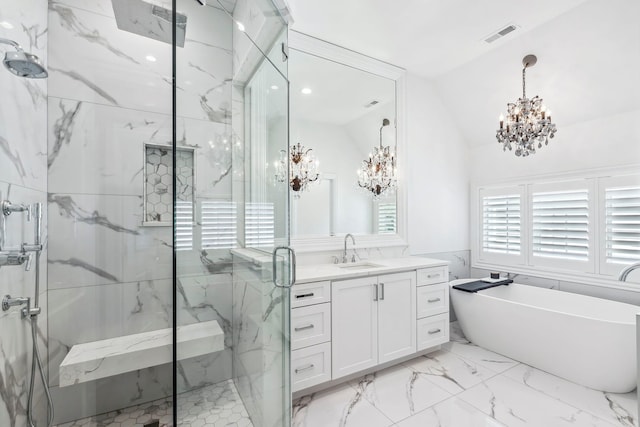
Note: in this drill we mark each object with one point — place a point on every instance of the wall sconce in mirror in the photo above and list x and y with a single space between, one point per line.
378 173
303 168
528 121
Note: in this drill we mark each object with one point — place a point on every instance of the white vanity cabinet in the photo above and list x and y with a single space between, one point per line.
432 307
374 321
310 334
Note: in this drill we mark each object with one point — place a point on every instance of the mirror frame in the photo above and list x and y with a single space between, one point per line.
322 49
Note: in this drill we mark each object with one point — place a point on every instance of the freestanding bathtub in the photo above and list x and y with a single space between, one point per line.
586 340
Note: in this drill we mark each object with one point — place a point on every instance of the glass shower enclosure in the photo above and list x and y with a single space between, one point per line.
165 266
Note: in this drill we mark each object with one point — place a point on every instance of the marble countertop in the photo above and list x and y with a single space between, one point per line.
374 267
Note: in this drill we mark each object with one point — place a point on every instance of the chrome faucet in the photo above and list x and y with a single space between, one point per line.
624 273
344 253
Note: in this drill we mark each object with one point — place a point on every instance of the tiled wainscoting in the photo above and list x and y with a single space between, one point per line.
463 385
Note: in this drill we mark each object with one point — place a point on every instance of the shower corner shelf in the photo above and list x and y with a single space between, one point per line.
113 356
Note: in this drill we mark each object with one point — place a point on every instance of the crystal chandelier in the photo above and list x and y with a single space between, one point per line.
528 122
302 167
378 172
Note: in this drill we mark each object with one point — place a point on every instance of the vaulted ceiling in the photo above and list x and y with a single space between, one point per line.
588 52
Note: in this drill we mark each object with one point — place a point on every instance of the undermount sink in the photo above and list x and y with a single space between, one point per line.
358 266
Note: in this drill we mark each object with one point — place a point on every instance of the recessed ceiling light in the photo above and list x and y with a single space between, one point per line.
240 26
274 87
150 58
7 25
306 91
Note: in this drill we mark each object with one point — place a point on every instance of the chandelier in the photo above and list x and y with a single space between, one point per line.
378 172
302 167
528 122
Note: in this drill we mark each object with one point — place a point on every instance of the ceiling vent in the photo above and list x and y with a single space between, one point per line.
500 33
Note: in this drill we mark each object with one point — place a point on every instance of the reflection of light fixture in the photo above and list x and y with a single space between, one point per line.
302 167
150 58
528 121
378 172
306 91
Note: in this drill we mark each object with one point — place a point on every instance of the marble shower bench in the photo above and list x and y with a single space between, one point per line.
100 359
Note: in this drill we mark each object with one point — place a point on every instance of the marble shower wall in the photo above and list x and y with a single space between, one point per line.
23 179
109 94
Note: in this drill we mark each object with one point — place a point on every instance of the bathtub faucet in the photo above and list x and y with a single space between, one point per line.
624 273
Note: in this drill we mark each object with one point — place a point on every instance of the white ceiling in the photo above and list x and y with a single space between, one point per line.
339 93
588 52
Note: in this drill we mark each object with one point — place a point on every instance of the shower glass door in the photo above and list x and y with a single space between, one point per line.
231 119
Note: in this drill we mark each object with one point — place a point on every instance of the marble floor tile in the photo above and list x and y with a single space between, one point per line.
619 409
449 370
452 412
515 404
213 406
340 407
399 392
481 356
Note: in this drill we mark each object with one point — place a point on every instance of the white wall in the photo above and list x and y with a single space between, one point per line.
437 173
604 142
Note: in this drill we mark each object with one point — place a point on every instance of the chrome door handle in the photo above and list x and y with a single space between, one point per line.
434 331
302 328
375 288
292 267
431 276
381 291
433 300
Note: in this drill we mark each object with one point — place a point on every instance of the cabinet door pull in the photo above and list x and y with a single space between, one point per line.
381 291
434 331
431 276
310 294
375 288
302 328
433 300
305 368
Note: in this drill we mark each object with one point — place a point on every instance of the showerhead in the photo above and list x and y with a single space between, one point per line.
23 64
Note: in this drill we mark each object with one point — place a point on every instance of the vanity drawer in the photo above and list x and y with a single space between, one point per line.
433 330
431 275
310 293
432 300
310 366
310 325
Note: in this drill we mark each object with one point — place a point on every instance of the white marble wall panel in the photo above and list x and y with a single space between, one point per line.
98 239
16 342
23 109
114 67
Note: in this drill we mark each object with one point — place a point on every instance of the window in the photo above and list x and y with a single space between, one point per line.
587 227
184 225
386 218
501 224
259 225
219 222
620 230
561 225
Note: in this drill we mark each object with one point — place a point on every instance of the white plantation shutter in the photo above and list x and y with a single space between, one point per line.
387 223
561 225
622 225
219 222
259 225
184 225
501 224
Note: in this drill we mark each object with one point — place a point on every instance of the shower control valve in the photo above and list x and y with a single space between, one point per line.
15 258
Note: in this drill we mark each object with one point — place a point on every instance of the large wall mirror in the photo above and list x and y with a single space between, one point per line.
339 100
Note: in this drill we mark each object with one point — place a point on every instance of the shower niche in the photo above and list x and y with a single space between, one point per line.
158 184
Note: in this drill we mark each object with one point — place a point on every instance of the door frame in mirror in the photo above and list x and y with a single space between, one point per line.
329 51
